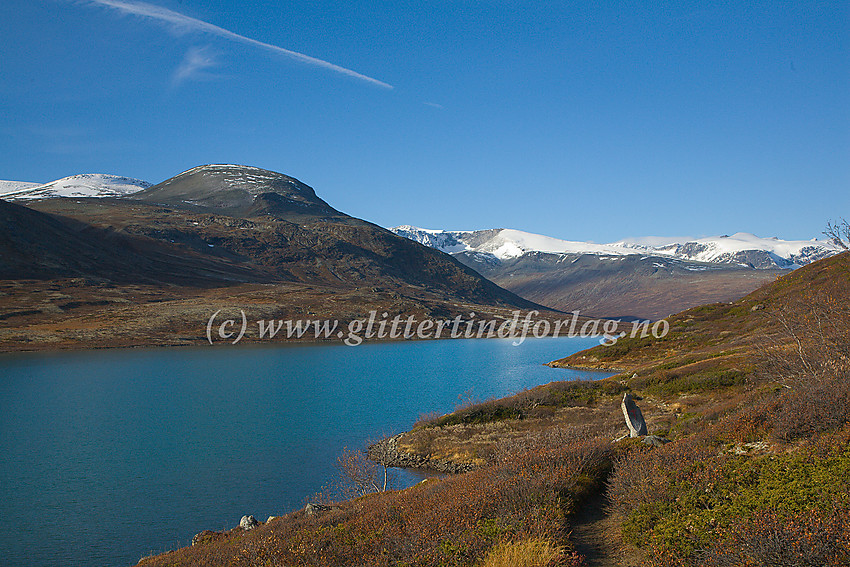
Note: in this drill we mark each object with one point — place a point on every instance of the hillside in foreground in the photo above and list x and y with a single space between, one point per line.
748 463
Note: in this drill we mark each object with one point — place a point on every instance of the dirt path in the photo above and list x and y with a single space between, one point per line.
594 535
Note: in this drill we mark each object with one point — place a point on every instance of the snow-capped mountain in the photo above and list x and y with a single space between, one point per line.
84 185
742 248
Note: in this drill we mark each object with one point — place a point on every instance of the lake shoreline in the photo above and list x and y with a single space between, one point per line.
48 347
196 419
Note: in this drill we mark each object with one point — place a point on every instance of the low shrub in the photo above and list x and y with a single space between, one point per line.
525 497
569 394
813 407
553 395
812 538
705 377
479 413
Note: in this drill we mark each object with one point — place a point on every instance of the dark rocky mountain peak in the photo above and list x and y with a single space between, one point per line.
241 191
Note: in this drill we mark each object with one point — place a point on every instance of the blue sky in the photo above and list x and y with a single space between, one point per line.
583 121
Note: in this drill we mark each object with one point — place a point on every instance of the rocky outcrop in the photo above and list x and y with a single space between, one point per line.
388 453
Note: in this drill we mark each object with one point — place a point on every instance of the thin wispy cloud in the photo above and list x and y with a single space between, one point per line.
433 105
186 23
195 65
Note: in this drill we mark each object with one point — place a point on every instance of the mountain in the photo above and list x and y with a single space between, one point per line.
83 185
647 287
74 271
645 278
240 191
299 236
741 248
740 329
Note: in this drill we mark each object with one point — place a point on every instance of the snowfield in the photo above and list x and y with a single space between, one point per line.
7 187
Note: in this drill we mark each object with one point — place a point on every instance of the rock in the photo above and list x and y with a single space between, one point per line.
748 448
270 519
633 415
207 536
654 440
314 509
248 523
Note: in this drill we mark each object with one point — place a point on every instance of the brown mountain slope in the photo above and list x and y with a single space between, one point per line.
35 245
649 287
151 270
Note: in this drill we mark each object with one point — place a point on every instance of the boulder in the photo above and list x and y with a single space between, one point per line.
654 440
633 415
312 509
248 523
315 509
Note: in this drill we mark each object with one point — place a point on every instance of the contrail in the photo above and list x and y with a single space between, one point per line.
182 21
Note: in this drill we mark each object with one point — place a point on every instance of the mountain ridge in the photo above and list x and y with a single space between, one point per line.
633 278
740 248
239 191
150 269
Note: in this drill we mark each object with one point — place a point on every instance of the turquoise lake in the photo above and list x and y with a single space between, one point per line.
108 456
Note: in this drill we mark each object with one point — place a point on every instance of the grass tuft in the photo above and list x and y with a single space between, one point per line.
526 553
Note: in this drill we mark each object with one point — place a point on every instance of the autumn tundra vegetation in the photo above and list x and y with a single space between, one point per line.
753 396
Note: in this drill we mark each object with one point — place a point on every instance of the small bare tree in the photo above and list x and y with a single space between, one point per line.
361 475
808 353
838 233
810 339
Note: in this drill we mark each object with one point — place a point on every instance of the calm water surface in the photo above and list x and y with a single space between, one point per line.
108 456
